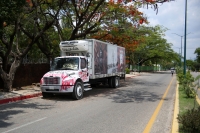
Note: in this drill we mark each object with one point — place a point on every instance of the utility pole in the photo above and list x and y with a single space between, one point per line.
181 41
184 70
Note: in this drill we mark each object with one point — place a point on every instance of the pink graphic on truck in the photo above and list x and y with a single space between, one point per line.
67 84
83 76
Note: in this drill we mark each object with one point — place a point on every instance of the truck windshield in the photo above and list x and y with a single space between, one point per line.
65 64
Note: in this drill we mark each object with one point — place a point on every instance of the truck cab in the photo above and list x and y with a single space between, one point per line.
66 73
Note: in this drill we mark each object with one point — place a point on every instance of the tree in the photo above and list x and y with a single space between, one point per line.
8 11
120 26
76 20
197 52
155 48
81 19
30 22
190 64
84 18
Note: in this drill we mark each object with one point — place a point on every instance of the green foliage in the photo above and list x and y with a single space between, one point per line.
191 64
180 75
9 12
9 9
188 85
190 121
197 52
127 71
155 48
186 82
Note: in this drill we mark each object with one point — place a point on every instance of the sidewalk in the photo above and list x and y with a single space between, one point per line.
20 94
28 92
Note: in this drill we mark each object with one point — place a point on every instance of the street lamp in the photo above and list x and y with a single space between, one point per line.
181 42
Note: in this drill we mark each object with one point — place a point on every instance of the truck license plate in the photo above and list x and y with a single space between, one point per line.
51 87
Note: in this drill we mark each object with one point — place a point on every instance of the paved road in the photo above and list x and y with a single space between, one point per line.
140 102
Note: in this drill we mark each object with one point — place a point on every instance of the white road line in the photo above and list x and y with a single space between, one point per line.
24 125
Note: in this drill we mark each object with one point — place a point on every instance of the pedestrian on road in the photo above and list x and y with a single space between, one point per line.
172 71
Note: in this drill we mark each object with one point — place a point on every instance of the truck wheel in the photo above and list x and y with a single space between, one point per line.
110 82
78 91
46 95
115 82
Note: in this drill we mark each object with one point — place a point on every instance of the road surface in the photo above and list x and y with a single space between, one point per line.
143 103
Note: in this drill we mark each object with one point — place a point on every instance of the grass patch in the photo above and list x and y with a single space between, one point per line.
186 103
189 110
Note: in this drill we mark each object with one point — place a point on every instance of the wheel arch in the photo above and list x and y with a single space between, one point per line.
78 80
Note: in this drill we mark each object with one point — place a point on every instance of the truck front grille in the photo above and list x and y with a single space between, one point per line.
51 80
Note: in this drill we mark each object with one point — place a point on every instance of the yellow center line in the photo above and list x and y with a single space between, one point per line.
153 117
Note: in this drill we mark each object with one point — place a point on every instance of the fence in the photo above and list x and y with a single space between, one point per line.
27 74
34 60
146 68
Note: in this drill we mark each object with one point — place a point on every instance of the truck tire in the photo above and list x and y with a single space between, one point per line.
115 82
46 95
110 82
78 91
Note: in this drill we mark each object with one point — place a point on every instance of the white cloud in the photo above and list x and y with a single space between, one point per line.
172 16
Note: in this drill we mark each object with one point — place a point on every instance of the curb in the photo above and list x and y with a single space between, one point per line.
175 126
19 98
131 76
197 99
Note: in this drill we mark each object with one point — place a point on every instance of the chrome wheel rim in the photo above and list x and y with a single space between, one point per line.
116 81
79 90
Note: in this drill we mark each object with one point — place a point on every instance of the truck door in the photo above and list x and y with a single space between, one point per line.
84 75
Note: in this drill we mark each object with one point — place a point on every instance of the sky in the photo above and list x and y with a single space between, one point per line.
171 15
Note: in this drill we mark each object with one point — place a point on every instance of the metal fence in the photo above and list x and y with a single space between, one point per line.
27 74
34 61
146 68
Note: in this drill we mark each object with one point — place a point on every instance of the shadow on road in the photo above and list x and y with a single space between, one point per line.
126 92
7 111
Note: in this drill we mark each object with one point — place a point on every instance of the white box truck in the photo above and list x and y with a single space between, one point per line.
82 65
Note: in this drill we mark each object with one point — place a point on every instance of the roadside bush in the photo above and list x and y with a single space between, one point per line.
180 77
187 83
127 71
190 121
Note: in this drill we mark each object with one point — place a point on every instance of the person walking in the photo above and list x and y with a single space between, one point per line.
172 71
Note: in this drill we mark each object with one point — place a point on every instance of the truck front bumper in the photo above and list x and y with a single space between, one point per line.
57 89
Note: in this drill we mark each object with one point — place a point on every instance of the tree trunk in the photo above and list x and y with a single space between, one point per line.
9 77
